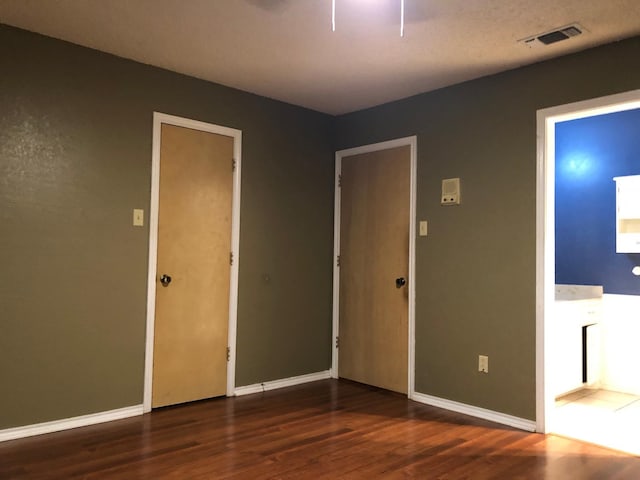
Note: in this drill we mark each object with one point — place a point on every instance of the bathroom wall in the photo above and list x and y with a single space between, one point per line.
589 153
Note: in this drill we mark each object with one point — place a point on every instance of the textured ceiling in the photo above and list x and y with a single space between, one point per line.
285 49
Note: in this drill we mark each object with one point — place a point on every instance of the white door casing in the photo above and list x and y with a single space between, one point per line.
412 142
158 120
545 232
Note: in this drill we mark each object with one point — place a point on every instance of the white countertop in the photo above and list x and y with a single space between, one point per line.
578 292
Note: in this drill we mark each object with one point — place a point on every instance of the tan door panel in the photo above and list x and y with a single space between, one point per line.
194 244
374 252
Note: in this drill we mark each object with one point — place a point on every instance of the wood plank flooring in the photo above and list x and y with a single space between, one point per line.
323 430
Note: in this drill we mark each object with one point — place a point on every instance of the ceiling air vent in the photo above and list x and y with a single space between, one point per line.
553 36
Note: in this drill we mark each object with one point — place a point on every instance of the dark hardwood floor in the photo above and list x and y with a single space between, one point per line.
323 430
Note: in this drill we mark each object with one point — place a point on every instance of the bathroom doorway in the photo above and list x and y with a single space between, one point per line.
584 389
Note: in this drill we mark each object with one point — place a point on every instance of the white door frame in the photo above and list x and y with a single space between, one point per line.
545 230
158 120
400 142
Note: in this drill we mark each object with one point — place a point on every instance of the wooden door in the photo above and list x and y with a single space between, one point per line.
374 252
194 245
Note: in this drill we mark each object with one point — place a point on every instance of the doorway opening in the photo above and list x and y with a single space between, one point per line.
204 144
575 396
372 175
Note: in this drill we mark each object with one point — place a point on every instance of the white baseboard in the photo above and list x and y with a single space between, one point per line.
502 418
285 382
68 423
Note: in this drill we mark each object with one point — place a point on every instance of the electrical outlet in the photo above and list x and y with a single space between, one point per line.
483 363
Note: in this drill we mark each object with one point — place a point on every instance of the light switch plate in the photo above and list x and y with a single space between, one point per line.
138 217
423 228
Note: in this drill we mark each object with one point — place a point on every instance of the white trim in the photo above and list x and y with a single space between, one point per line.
235 268
545 227
336 269
285 382
412 142
68 423
492 416
158 120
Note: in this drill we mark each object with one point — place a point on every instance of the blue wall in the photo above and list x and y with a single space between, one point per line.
589 153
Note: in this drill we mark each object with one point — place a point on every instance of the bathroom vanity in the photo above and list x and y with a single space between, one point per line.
576 337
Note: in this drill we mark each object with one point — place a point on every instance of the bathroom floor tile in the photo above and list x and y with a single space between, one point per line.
592 401
632 410
602 417
618 398
573 396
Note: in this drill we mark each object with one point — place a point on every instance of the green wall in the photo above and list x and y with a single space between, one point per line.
475 272
75 159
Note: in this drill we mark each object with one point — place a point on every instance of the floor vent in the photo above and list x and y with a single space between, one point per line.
554 36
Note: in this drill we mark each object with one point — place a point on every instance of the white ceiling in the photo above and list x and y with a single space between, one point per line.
285 49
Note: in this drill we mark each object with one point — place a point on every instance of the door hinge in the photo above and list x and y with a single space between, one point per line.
339 180
228 353
230 258
338 261
233 164
337 342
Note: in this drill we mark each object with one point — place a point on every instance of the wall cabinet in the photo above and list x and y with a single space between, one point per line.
628 214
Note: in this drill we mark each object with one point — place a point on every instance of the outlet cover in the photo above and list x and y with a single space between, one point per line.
483 363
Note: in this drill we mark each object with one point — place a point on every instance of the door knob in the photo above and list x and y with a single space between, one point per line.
165 280
400 282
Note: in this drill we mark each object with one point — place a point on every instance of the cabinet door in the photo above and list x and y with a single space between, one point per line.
567 348
628 214
628 196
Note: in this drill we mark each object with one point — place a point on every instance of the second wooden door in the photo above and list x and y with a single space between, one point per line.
374 264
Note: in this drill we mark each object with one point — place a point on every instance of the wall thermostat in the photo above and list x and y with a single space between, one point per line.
450 191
